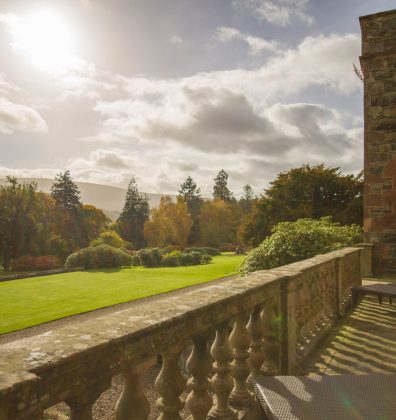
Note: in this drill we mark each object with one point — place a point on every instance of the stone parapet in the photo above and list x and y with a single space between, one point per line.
267 322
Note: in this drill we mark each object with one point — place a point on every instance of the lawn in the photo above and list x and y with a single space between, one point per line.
32 301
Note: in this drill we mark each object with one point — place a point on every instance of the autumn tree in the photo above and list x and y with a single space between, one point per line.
94 221
170 224
216 223
136 211
306 192
220 188
191 194
17 223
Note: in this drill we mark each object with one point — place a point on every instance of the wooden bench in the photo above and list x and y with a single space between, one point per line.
380 290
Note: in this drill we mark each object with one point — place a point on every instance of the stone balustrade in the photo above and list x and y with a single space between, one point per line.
265 323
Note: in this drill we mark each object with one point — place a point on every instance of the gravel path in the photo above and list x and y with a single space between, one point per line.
53 325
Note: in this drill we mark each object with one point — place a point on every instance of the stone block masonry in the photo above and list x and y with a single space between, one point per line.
378 63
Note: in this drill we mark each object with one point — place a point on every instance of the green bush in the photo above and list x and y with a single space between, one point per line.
101 256
295 241
150 257
206 259
172 259
203 250
109 237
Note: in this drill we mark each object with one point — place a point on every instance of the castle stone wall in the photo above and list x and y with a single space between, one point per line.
378 63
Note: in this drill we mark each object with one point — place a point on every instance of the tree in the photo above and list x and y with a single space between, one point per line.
69 215
220 188
17 223
136 211
247 199
66 192
306 192
170 224
191 194
94 222
216 223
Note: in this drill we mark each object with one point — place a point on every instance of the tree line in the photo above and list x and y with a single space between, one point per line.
36 223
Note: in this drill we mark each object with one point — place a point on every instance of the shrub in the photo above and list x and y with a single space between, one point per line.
101 256
206 259
172 259
109 237
29 263
203 250
150 257
295 241
135 260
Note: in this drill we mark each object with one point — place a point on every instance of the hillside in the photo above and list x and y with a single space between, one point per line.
109 199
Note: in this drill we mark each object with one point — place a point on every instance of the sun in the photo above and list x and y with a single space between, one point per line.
45 39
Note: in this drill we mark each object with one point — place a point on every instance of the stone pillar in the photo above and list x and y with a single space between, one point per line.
378 63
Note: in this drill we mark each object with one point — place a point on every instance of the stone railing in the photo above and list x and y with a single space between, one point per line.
267 322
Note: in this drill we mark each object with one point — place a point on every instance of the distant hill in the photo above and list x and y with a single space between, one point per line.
109 199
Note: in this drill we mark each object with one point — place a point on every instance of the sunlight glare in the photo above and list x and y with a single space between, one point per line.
46 40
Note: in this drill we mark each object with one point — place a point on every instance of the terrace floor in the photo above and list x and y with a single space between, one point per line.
363 342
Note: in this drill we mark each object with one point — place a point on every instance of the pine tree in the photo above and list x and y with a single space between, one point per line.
220 188
66 192
135 213
191 194
69 218
247 198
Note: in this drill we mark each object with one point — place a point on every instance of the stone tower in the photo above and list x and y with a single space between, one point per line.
378 62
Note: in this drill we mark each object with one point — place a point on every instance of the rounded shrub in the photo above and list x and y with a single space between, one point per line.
150 257
203 250
295 241
172 259
206 259
101 256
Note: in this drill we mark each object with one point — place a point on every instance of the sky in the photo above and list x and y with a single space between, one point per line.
163 89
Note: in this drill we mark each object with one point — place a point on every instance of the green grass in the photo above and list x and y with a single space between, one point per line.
32 301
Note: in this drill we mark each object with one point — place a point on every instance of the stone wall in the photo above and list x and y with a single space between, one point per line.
267 322
378 63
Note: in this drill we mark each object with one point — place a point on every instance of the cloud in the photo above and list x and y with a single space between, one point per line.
177 40
16 117
278 12
255 44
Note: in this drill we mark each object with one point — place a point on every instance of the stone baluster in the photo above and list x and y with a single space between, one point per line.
169 384
222 382
256 352
240 340
82 402
271 326
199 365
133 404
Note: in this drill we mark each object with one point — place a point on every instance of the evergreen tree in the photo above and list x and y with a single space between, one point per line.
247 198
135 213
66 192
220 188
70 223
191 194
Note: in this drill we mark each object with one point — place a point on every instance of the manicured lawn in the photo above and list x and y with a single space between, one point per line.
28 302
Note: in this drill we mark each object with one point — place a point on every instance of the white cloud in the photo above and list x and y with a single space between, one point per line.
177 40
17 117
278 12
255 44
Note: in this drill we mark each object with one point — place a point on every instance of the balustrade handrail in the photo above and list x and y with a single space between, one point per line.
273 330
